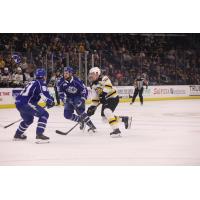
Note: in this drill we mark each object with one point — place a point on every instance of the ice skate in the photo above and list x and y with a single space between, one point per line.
127 122
41 139
18 137
82 125
116 133
92 129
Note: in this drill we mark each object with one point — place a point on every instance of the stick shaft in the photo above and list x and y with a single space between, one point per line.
12 123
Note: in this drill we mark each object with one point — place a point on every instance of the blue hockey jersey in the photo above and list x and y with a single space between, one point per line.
72 89
32 93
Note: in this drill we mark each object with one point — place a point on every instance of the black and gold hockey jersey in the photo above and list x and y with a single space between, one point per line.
102 87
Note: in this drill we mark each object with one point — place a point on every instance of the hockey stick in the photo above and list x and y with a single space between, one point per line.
12 123
65 133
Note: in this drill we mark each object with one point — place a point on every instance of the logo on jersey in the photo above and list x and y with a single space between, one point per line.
44 88
16 58
71 90
99 90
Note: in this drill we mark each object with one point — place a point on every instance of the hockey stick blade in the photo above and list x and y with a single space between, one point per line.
65 133
61 133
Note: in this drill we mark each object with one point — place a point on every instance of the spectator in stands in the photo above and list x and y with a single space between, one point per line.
28 76
6 78
24 64
0 78
167 60
2 62
18 78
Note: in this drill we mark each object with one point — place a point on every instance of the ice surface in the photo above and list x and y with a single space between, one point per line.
163 133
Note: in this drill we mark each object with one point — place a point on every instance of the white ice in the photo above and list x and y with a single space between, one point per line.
163 133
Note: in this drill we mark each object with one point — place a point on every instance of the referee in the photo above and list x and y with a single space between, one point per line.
139 82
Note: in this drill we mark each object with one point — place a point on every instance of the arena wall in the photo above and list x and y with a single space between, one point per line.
152 93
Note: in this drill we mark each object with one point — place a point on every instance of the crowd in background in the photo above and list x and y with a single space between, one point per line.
165 58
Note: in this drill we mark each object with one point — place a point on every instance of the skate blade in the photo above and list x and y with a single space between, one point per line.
38 141
130 122
91 131
115 136
18 139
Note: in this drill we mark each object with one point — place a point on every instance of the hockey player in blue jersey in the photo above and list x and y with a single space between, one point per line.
27 104
73 93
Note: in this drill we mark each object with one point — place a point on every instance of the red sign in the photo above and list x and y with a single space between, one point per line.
4 93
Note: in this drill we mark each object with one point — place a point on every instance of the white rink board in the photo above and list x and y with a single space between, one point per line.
163 133
7 95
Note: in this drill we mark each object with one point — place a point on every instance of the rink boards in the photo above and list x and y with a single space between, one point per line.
152 93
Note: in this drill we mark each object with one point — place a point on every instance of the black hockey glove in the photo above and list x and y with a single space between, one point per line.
102 98
50 103
91 110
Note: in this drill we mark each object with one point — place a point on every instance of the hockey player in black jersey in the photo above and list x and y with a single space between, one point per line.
139 82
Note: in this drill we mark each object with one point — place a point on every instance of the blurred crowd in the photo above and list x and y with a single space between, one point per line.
165 58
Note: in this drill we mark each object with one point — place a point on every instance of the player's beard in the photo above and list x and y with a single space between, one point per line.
68 78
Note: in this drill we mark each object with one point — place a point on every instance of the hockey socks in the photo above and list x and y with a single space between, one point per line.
22 128
75 118
41 125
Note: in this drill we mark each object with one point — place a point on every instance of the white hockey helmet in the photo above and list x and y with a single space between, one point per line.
95 70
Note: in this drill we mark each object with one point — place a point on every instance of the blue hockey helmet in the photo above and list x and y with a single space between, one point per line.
40 73
69 69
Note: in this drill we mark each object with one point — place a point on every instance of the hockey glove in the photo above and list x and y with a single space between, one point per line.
102 98
50 103
91 110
